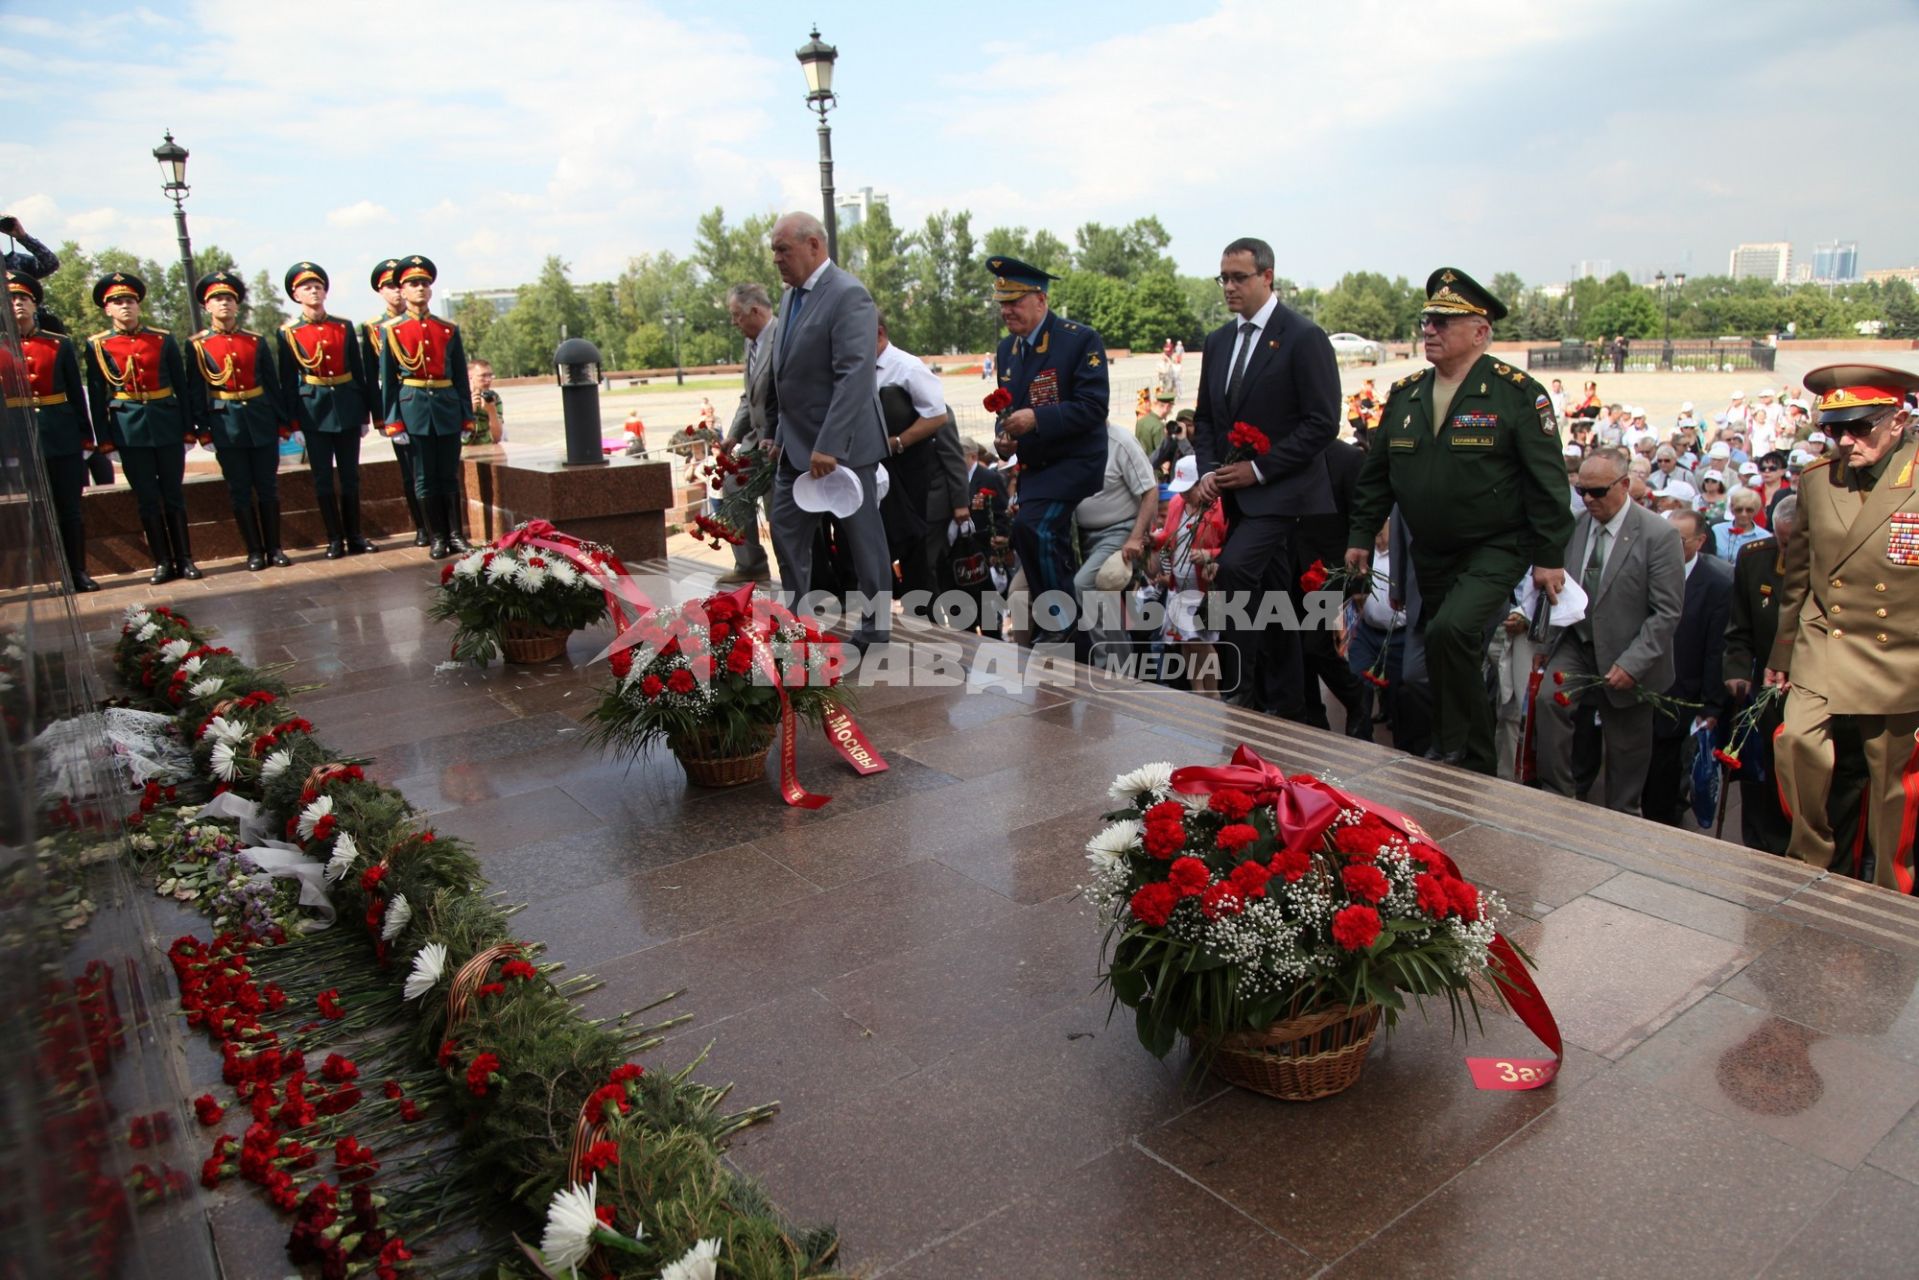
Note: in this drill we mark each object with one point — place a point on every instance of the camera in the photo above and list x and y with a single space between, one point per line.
9 225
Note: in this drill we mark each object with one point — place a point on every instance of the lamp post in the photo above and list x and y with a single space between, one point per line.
1667 290
816 60
673 320
173 170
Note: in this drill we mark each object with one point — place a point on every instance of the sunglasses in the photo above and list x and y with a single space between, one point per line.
1771 466
1596 492
1863 427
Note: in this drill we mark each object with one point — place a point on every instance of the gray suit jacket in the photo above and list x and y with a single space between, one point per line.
753 420
824 392
1636 608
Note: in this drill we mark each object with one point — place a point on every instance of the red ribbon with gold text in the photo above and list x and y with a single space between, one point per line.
1304 809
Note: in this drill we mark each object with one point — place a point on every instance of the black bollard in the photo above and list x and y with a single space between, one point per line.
577 364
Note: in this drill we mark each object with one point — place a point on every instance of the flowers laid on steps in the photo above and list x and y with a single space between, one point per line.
552 583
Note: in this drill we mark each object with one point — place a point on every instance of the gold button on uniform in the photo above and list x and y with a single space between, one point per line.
1838 608
1880 612
1836 633
1878 586
1882 637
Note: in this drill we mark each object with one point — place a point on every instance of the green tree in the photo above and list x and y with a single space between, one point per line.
1042 249
266 310
1365 303
1139 315
70 289
653 284
948 296
1511 290
884 254
1899 310
1631 314
1124 253
476 318
1205 303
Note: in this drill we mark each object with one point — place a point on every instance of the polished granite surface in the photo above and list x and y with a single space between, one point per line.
910 972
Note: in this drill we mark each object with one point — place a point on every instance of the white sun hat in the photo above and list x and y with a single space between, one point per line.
837 492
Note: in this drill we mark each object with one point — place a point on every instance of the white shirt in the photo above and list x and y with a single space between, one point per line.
1378 610
1687 576
1129 477
896 368
1241 340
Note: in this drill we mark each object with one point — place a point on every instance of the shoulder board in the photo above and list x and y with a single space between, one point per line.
1814 465
1758 544
1408 380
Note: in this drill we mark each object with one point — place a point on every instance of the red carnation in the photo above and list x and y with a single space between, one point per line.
600 1156
1364 880
1222 899
329 1003
446 574
208 1111
1429 891
626 1071
1315 577
1154 904
1365 838
998 400
1250 879
1249 439
1189 876
613 1095
621 661
480 1073
1355 927
740 661
1464 897
1165 838
337 1069
1290 864
1228 802
1236 837
1562 699
681 681
519 971
1559 677
651 685
1725 757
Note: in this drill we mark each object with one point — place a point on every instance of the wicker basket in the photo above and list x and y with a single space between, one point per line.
1299 1059
701 756
527 642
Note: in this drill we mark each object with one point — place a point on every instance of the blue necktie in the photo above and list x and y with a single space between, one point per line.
792 319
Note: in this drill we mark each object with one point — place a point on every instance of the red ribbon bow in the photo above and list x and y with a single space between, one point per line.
1301 812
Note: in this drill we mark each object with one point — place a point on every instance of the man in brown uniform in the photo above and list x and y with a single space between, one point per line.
1848 646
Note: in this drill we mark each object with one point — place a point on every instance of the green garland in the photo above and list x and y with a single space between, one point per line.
659 1163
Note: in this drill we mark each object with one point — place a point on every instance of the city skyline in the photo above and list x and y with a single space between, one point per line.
605 133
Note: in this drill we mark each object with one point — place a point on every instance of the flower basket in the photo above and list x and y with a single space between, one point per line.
1315 1055
709 763
526 643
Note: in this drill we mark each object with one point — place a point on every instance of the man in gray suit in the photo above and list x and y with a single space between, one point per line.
1633 569
752 314
826 405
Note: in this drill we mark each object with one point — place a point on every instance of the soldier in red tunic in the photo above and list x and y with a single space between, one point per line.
238 407
135 384
331 396
426 397
386 283
52 391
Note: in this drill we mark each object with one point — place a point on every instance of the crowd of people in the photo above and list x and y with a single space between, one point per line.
320 383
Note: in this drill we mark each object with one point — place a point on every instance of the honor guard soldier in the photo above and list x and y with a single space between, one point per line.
238 406
386 283
1469 451
1055 371
331 396
136 388
1848 646
52 391
428 401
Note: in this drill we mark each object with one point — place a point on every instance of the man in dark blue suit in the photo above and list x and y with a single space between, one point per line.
1699 651
1273 369
1055 371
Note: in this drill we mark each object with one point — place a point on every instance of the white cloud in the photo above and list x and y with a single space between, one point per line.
361 213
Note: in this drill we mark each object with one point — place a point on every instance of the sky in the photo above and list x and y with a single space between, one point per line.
1491 135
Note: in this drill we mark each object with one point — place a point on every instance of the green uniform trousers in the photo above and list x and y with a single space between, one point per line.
1461 595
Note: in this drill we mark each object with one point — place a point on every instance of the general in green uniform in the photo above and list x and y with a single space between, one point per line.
1469 452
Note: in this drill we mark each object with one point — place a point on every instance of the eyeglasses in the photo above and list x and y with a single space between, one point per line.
1436 323
1237 277
1596 492
1770 466
1863 427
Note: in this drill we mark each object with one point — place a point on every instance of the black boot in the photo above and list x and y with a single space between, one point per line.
437 548
182 548
356 542
156 530
73 540
250 534
270 535
455 510
416 507
330 517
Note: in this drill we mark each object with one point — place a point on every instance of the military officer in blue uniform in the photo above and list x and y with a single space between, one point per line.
50 389
1055 371
386 282
332 399
237 405
427 399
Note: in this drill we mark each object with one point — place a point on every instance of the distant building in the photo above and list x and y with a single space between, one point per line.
1772 261
854 207
1888 274
1592 268
501 300
1836 262
1802 273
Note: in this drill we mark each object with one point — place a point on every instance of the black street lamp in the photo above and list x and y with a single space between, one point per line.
173 169
1667 292
816 60
673 320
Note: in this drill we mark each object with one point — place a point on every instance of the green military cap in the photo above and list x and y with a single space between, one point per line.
384 273
1185 415
20 282
120 284
301 272
1451 292
222 281
416 267
1164 395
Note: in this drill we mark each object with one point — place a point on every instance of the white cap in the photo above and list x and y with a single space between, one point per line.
1801 403
838 491
1748 468
1799 457
1185 474
1737 394
1686 407
1720 450
1719 476
1571 451
1638 411
1767 393
1818 437
1680 490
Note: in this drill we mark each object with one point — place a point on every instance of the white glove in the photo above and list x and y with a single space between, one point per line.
955 530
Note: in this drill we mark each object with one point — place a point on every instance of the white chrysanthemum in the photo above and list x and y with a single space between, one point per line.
311 815
531 578
469 566
563 573
136 615
276 764
398 912
428 964
1109 846
1149 779
221 729
570 1224
701 1262
147 632
345 854
206 687
174 650
503 566
192 665
1195 801
224 766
